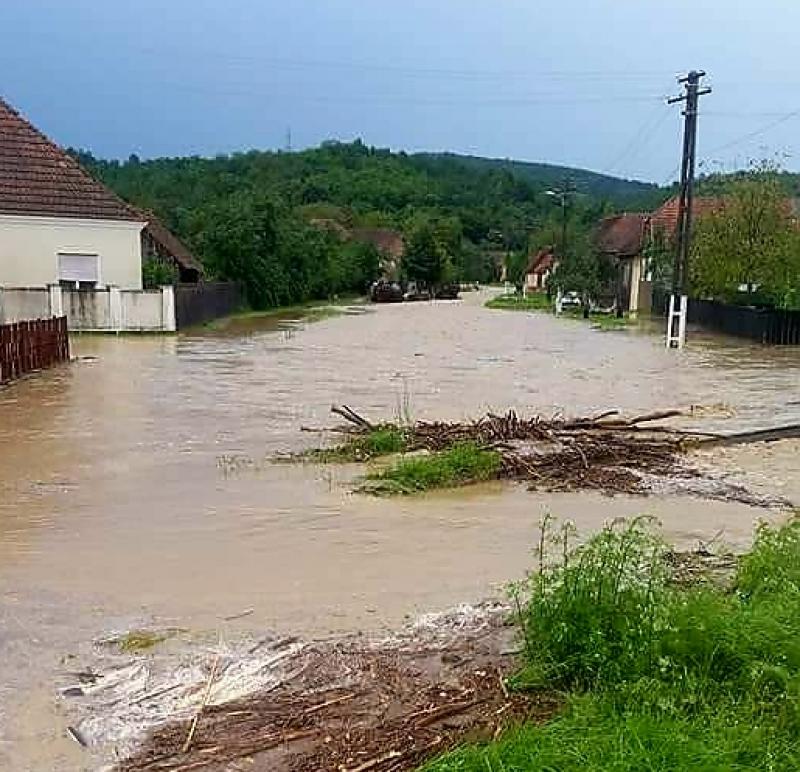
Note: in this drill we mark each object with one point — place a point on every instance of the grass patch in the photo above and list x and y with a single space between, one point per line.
462 464
137 641
535 302
662 677
381 441
312 311
540 302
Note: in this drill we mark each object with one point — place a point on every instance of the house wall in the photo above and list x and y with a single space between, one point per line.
535 282
29 248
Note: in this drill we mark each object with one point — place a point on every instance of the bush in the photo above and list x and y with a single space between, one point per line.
664 678
596 614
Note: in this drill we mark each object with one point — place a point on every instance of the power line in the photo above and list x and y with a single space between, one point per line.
641 138
753 134
383 98
300 63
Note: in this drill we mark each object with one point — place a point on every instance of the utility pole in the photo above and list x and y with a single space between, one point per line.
679 301
562 194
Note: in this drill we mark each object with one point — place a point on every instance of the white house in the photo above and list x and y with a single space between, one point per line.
69 246
58 225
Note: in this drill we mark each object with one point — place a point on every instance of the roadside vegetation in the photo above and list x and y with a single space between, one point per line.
538 301
310 311
747 251
658 676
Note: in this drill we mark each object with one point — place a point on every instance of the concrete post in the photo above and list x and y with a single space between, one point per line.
115 308
168 321
56 300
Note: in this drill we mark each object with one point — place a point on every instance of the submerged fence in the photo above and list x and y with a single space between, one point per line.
34 345
765 325
199 303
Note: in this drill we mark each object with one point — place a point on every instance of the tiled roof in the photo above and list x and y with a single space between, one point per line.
542 261
622 235
666 216
170 243
38 178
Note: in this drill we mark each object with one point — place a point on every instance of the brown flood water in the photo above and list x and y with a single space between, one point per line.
114 512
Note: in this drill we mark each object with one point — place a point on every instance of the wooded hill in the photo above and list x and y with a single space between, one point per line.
254 216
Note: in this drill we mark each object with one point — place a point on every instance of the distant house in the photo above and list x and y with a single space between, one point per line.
625 238
388 242
538 271
58 225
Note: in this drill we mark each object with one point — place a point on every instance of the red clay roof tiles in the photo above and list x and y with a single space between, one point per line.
38 178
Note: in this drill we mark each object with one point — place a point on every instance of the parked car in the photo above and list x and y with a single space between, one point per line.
448 292
571 299
383 291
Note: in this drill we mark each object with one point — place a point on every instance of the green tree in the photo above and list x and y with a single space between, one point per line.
585 271
433 251
749 250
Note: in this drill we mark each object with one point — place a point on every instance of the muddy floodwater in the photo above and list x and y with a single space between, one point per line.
116 513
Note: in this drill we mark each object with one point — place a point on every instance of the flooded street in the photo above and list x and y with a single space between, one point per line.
114 512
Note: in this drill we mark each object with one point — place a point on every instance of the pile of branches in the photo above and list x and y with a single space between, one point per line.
352 706
606 452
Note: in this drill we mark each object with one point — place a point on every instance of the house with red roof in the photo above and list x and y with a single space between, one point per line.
59 225
540 266
625 238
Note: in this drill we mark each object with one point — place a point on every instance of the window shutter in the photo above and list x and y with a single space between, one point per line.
78 267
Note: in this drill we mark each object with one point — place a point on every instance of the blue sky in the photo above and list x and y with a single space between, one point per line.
578 82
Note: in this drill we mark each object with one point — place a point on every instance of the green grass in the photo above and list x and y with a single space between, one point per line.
540 302
381 441
534 302
137 641
462 464
312 311
660 677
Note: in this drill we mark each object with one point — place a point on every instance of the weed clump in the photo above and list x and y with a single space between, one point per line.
463 463
380 441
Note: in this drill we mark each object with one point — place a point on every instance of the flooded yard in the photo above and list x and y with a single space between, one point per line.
115 512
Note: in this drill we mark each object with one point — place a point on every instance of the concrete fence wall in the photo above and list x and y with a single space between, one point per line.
98 310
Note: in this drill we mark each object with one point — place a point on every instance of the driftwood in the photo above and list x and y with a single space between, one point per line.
351 416
206 695
605 452
763 435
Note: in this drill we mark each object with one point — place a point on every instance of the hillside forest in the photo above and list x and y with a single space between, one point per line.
281 223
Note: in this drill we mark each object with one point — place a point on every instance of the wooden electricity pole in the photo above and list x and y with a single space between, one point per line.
676 325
